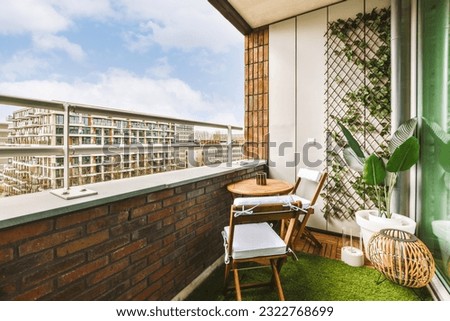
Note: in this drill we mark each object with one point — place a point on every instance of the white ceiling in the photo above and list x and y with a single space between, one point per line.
259 13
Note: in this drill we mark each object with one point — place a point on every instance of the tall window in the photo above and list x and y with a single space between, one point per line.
434 188
59 119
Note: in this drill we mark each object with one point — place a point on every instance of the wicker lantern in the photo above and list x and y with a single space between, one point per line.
401 257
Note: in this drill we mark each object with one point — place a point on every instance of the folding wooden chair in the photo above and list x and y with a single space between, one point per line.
317 178
249 238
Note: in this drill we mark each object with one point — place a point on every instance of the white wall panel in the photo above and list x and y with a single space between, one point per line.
297 110
282 100
311 69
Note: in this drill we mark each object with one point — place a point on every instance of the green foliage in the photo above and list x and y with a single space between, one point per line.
374 94
404 131
375 172
404 156
351 141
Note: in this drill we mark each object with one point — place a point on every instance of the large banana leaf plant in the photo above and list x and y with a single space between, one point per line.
382 173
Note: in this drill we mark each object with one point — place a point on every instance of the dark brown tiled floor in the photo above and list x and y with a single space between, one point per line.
331 246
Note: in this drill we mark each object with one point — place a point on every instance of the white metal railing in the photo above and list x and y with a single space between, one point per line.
66 150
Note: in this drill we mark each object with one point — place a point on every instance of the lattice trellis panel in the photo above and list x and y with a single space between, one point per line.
357 94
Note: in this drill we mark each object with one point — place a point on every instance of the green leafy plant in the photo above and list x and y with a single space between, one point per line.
382 172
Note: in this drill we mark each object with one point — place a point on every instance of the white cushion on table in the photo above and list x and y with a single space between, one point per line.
254 240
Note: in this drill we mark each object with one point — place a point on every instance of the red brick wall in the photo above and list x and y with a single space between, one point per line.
256 91
145 248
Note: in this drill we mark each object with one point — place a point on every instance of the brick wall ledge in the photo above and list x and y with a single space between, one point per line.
26 208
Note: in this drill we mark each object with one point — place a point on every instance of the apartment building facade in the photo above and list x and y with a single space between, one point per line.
3 160
103 148
4 133
121 148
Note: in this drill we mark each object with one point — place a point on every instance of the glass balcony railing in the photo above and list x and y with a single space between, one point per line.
106 142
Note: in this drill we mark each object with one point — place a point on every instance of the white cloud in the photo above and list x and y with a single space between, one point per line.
121 89
224 117
29 16
98 9
21 64
44 19
48 42
184 24
49 16
179 24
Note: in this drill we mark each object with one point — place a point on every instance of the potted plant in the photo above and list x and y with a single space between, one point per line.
382 175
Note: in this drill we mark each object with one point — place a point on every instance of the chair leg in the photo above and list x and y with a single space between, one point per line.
236 283
309 235
227 275
282 228
304 230
312 238
277 279
301 228
295 234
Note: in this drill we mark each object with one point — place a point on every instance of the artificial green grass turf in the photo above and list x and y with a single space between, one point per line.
312 278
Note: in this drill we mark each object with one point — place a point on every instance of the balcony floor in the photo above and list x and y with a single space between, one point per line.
331 246
301 288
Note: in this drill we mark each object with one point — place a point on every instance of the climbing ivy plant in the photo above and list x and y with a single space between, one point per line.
358 94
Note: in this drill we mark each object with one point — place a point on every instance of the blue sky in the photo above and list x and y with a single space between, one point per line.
177 58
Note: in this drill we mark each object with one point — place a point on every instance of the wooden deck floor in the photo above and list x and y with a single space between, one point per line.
331 246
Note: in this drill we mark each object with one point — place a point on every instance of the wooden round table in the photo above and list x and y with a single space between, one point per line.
249 187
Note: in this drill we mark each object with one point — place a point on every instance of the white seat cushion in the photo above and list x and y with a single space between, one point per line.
305 203
280 199
255 240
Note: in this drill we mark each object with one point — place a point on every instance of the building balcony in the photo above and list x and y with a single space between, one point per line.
143 238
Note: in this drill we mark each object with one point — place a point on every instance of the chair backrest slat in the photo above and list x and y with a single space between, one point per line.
263 213
311 175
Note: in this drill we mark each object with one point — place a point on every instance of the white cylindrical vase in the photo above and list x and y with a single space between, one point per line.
352 256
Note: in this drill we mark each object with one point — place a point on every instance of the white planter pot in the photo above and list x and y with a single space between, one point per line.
370 223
